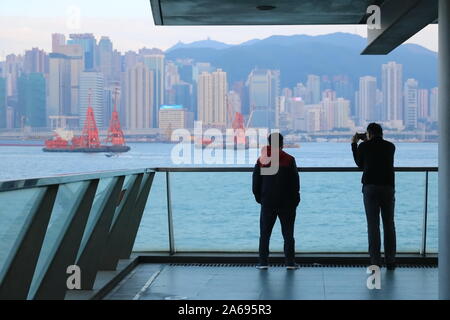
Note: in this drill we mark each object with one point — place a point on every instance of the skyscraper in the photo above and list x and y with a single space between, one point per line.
392 87
57 41
139 97
341 114
36 61
423 104
32 100
2 103
263 88
313 86
212 98
434 103
91 90
172 76
205 98
13 68
155 63
183 95
220 90
59 82
74 55
105 55
367 100
411 103
88 42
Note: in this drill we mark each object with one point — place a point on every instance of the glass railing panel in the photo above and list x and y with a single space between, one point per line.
15 208
214 212
331 214
217 212
101 193
432 225
153 230
64 204
409 207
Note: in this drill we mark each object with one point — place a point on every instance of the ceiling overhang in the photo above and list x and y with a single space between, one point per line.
400 19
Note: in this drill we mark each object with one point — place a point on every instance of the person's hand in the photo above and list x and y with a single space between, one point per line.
355 138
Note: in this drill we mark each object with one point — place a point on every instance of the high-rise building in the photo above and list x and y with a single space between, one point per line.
183 95
264 89
313 114
155 63
172 76
434 103
301 91
367 100
91 92
32 100
212 98
392 87
130 59
105 57
59 82
13 69
220 90
74 56
423 102
295 108
35 61
199 68
313 86
89 44
205 98
411 103
2 103
185 69
57 41
342 114
328 111
139 97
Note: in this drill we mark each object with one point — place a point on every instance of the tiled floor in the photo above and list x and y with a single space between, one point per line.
156 281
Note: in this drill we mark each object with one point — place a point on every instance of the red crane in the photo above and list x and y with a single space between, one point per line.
115 133
89 137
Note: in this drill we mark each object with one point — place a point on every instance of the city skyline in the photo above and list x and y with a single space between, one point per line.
83 64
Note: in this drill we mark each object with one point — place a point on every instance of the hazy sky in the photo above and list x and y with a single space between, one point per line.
29 23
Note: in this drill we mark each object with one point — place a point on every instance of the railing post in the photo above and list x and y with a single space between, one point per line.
169 215
423 249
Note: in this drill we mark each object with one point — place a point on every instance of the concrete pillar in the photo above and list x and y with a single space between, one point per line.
444 149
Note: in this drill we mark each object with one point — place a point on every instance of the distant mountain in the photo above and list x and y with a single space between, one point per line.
299 55
211 44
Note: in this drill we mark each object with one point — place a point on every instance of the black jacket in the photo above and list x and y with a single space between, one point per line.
281 190
376 158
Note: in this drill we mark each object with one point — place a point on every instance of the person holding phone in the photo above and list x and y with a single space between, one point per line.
376 157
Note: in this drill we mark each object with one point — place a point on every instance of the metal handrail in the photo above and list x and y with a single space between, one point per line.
11 185
300 169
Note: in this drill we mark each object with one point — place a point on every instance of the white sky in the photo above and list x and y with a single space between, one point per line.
29 23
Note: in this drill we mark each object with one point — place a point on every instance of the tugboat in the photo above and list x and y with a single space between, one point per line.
89 141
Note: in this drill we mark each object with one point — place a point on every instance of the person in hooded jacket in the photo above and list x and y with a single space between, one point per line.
279 195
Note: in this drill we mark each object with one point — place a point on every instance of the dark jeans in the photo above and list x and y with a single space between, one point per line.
376 199
267 221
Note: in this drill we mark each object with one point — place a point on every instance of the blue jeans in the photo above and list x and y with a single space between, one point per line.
267 221
380 199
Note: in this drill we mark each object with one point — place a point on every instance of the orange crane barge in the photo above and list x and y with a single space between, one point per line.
89 141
